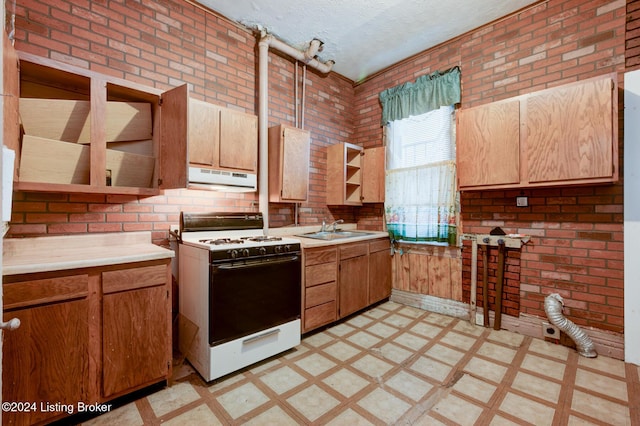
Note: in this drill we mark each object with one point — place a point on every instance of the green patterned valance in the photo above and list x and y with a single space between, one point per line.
429 92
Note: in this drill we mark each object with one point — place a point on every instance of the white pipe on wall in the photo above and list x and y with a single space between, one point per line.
308 57
263 132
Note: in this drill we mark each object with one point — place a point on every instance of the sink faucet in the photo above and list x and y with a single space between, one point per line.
335 224
332 226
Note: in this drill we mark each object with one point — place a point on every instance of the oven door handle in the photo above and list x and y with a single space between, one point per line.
256 263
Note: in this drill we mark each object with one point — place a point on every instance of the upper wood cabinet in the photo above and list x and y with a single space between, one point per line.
289 151
218 137
238 140
373 168
204 133
354 175
559 136
86 132
488 150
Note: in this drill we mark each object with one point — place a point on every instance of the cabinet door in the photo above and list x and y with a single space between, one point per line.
238 140
46 360
570 132
488 142
353 284
11 94
135 338
204 133
173 138
379 271
295 164
373 168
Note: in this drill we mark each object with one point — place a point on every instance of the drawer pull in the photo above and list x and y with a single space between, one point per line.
10 325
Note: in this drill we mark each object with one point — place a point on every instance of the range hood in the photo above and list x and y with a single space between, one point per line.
222 180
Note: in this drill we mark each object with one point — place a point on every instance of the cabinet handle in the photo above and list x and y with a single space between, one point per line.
10 325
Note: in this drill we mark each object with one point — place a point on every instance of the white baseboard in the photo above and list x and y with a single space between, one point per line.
607 343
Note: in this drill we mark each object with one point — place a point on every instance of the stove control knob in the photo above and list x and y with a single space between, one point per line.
234 254
262 251
245 252
287 248
278 249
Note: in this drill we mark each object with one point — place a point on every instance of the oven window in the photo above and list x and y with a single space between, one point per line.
248 296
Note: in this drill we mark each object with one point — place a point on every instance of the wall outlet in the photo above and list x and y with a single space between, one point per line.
522 201
550 330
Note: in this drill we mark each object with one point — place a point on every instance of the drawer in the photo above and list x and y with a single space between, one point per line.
353 250
47 290
318 274
379 245
133 278
320 294
317 256
319 315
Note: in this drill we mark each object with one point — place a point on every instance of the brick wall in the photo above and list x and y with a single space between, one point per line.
576 246
163 45
576 232
632 54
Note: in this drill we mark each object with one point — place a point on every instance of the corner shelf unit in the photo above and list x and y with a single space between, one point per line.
344 174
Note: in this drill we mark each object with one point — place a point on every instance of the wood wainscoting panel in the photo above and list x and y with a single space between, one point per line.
430 270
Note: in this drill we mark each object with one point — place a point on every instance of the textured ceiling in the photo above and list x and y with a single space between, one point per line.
365 36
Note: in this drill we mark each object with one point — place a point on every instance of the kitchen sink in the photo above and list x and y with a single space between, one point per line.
334 235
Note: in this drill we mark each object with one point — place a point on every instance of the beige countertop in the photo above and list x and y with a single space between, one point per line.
55 253
297 231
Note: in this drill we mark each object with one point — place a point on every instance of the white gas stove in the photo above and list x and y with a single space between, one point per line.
242 290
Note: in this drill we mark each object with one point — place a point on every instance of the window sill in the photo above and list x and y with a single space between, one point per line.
424 243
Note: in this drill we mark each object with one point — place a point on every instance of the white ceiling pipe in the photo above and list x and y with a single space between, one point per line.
308 57
314 47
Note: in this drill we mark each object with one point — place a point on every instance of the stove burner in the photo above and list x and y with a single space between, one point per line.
220 241
262 238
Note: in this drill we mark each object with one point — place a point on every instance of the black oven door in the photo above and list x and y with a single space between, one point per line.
246 296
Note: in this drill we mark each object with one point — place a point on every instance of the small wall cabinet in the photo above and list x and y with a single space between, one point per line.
221 138
86 335
86 132
354 175
559 136
289 156
373 174
215 137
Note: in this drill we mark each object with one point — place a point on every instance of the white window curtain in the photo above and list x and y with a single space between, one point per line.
421 201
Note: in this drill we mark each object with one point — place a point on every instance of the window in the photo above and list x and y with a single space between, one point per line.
420 199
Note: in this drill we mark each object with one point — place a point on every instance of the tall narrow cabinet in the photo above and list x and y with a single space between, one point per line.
289 155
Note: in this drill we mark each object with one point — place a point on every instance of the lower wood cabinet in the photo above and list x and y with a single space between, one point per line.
134 325
320 295
46 360
344 278
353 278
379 270
86 336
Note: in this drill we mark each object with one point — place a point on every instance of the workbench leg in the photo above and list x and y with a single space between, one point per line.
474 282
497 322
485 285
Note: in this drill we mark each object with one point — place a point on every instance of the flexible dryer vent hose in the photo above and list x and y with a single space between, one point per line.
553 307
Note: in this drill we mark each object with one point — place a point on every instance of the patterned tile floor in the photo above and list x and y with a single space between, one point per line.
398 365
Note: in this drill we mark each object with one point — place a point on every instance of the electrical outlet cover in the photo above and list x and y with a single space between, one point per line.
550 330
522 201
